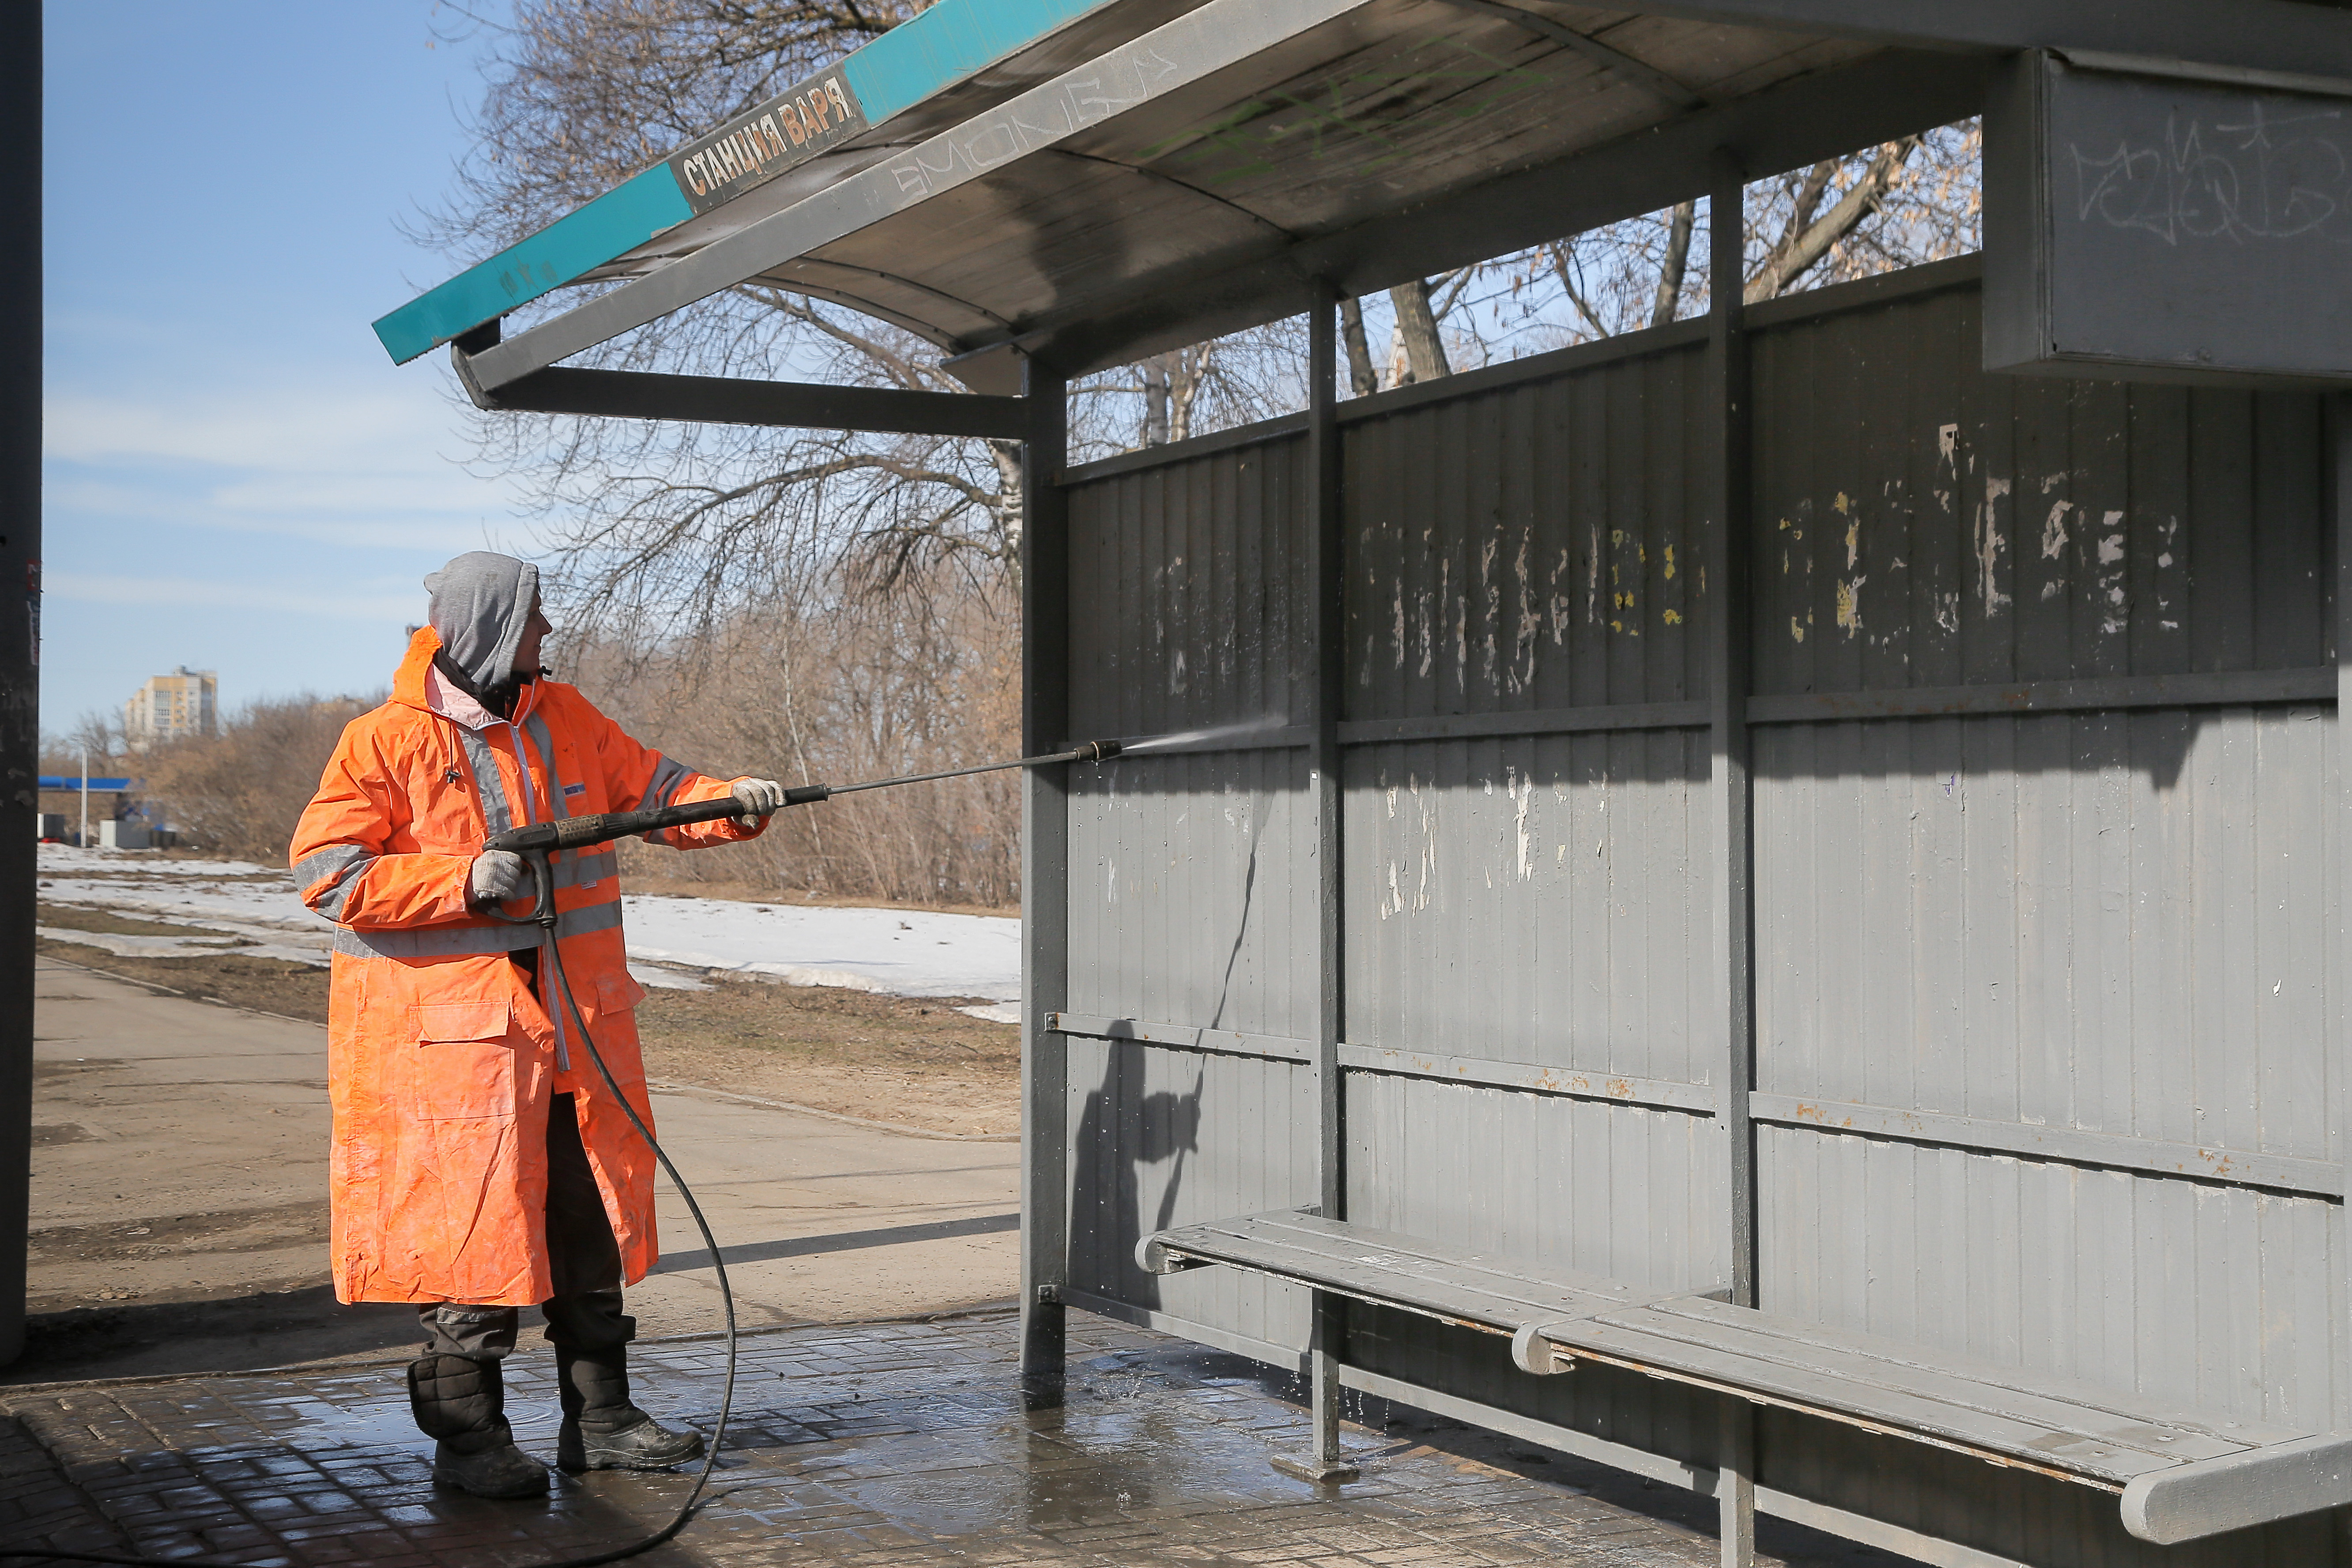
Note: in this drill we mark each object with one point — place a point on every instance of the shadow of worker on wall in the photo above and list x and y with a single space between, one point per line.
1124 1136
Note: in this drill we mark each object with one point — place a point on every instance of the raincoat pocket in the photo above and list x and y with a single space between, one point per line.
618 994
462 1067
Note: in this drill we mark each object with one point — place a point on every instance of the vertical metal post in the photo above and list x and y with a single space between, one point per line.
1325 576
1735 849
20 633
1044 888
2339 501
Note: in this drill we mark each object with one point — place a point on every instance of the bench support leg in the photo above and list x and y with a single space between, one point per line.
1042 1354
1734 1487
1326 1461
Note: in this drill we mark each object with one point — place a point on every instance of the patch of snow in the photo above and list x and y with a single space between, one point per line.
995 1013
903 952
654 977
900 952
64 857
180 946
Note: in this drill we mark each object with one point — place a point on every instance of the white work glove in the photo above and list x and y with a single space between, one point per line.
757 797
497 875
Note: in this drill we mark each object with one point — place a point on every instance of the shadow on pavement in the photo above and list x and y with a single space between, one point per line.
235 1333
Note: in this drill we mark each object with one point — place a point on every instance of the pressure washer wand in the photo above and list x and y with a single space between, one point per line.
577 832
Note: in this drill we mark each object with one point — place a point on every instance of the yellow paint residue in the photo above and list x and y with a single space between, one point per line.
1796 628
1673 618
1670 549
1842 505
1848 606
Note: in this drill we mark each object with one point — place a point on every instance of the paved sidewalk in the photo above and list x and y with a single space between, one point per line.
179 1200
866 1445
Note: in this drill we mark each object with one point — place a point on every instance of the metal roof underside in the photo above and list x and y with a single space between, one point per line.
1193 177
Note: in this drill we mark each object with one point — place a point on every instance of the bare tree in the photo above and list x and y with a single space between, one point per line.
1417 326
1672 263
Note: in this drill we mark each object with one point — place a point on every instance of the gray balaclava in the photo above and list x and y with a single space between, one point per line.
481 602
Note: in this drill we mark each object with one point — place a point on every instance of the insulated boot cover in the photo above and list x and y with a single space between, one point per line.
601 1429
499 1469
460 1402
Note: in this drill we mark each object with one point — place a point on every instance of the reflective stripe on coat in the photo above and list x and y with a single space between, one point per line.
441 1061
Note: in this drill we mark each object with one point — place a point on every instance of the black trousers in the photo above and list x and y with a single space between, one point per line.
584 1314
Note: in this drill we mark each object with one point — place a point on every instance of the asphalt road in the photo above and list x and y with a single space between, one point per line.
180 1218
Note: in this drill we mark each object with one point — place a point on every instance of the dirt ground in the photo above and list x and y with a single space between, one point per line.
890 1060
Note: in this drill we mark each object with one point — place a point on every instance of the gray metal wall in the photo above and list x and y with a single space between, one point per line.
2044 998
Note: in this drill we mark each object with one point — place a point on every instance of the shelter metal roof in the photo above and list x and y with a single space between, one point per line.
1146 173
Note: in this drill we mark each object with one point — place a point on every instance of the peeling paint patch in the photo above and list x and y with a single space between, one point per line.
2053 530
1848 606
1988 546
1853 543
1947 442
1523 673
1522 794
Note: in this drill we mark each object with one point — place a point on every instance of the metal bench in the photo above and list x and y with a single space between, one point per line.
2181 1477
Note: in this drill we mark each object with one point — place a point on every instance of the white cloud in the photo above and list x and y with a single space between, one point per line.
308 449
294 427
184 593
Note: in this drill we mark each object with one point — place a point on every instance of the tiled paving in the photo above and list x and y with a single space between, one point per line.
897 1444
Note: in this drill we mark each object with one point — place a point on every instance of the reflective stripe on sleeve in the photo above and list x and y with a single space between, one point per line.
334 862
331 902
448 941
669 774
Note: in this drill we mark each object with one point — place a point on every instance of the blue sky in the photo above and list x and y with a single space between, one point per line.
236 478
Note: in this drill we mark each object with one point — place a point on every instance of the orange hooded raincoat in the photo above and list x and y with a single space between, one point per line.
441 1060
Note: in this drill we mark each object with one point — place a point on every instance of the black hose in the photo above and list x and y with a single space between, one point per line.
548 945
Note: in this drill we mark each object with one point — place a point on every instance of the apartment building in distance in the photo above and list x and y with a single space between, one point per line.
172 707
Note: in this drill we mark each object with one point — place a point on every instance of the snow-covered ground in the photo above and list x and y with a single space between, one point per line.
904 952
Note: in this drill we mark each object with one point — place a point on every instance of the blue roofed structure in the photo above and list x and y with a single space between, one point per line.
858 102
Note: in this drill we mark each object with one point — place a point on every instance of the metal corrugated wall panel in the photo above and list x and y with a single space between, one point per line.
1530 548
1535 900
2213 1298
2104 926
1920 523
1192 886
1191 894
2112 921
1165 1137
1587 1185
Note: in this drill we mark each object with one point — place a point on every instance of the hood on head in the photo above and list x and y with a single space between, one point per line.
481 602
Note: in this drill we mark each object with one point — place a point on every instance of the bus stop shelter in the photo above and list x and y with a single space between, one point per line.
1777 916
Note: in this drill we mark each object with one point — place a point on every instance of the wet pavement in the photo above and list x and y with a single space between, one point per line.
869 1444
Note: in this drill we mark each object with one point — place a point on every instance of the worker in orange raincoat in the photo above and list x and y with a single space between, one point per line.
480 1164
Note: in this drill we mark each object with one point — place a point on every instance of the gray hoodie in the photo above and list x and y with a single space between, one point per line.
481 602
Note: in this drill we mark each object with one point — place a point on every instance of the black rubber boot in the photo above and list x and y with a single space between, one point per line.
460 1403
602 1430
